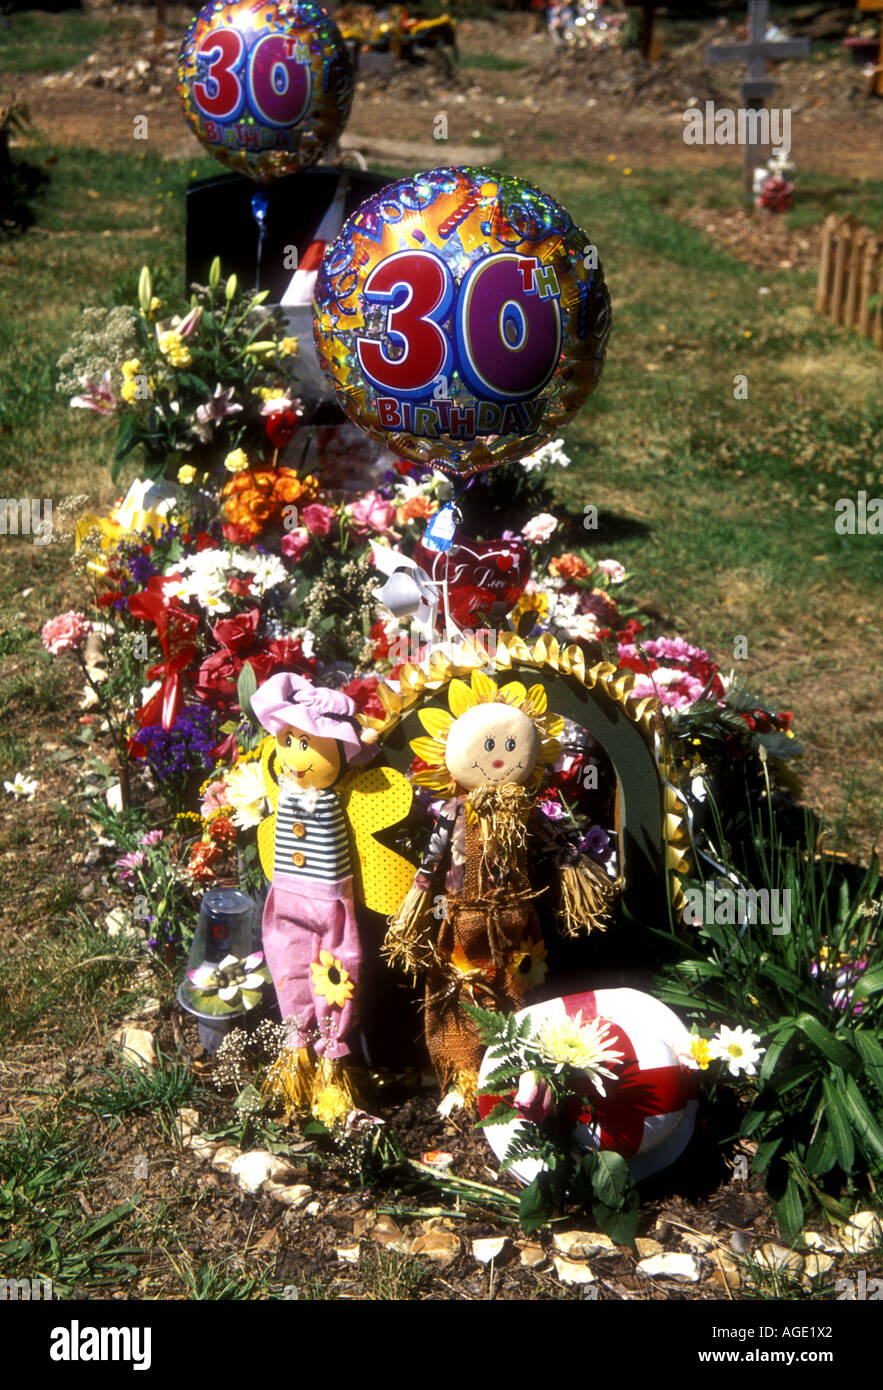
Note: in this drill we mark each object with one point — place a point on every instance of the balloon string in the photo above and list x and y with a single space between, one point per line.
261 238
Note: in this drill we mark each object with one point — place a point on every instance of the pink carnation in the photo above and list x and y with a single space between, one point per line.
613 569
317 518
539 528
675 689
215 799
371 513
295 543
65 633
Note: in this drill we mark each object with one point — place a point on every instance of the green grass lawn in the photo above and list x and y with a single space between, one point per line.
41 42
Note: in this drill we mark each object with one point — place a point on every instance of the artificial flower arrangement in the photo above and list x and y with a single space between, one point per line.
544 1076
187 387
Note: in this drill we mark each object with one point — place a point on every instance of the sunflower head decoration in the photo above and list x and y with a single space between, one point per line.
490 736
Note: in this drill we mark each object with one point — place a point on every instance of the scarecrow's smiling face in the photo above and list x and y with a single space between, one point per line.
492 744
314 761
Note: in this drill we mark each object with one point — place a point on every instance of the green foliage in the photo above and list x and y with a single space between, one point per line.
816 1103
160 1091
44 1165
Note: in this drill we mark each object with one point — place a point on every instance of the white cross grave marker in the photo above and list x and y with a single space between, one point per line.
756 86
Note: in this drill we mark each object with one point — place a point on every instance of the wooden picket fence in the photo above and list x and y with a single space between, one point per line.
850 287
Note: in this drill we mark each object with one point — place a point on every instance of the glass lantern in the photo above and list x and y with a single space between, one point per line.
225 972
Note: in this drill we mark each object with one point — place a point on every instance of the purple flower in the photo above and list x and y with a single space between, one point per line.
551 808
596 843
129 863
173 754
152 837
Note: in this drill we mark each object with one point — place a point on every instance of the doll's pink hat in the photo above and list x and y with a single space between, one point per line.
286 699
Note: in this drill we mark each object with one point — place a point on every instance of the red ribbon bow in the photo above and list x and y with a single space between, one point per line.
175 630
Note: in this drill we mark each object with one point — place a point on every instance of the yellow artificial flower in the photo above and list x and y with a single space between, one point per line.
236 462
186 474
530 603
288 347
129 391
331 980
700 1052
331 1104
155 304
172 346
131 366
527 965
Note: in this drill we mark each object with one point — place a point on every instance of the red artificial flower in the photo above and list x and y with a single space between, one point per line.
381 641
363 692
241 587
204 541
236 634
236 533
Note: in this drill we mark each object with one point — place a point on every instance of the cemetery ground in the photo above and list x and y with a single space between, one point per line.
722 507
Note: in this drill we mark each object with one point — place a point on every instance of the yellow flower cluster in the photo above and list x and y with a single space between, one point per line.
129 389
288 347
172 346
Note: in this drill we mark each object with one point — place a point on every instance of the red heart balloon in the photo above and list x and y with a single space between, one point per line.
484 577
280 427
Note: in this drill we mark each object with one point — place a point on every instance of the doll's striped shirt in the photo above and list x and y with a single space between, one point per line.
311 837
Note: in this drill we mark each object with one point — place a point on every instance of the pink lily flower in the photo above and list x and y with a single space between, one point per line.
98 397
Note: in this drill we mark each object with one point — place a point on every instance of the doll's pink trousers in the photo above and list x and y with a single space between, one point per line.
297 925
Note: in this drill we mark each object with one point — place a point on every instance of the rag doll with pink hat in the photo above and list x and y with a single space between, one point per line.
310 937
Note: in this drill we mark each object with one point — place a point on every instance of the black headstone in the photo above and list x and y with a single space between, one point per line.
220 223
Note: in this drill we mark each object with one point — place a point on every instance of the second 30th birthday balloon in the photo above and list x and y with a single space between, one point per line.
267 85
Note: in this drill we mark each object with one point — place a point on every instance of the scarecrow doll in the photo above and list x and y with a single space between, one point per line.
480 940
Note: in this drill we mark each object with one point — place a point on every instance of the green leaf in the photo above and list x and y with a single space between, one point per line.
862 1119
245 688
821 1154
622 1225
789 1210
871 1054
870 982
766 1152
611 1179
838 1124
775 1050
836 1052
109 1219
535 1206
502 1114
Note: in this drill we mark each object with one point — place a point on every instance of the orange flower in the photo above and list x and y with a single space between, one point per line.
202 858
289 487
416 508
256 498
222 830
569 567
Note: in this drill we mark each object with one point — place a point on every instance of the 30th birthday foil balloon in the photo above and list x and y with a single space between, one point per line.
462 318
267 86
